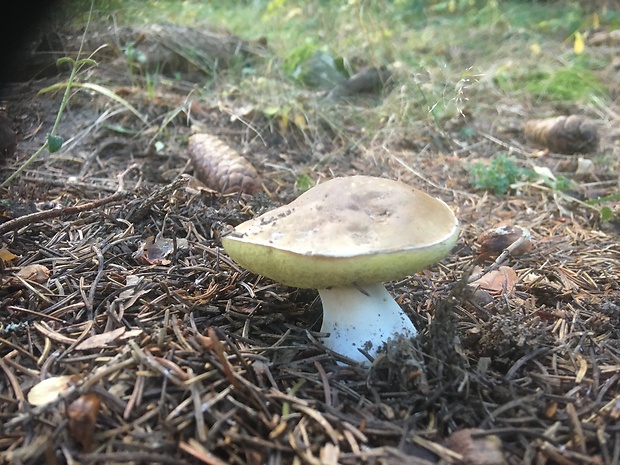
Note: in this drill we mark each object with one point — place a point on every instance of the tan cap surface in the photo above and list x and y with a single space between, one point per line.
357 229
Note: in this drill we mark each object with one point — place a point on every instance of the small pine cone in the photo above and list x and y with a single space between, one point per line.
563 134
220 167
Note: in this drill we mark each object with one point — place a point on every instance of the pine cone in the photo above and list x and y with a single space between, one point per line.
220 167
563 134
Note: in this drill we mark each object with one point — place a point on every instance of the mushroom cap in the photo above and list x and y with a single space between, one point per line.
346 231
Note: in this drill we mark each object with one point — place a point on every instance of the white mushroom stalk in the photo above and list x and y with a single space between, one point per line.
362 318
345 237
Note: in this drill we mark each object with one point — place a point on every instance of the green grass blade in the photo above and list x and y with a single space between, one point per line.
100 89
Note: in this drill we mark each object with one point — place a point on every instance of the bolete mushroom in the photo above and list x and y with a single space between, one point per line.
345 237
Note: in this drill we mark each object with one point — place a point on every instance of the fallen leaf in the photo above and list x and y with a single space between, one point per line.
243 113
131 294
48 390
551 410
6 255
329 454
37 273
130 334
496 282
155 250
545 172
131 281
585 166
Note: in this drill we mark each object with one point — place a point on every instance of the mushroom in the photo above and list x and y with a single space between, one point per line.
345 237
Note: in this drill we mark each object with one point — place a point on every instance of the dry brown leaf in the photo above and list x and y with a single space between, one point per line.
130 295
155 250
130 334
82 413
496 282
6 255
99 341
37 273
50 389
329 454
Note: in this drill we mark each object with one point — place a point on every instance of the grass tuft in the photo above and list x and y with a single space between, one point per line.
566 84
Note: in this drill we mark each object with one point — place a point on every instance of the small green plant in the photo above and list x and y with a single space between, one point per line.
152 80
498 176
54 142
502 172
304 182
315 68
135 60
137 65
298 55
606 213
560 183
566 84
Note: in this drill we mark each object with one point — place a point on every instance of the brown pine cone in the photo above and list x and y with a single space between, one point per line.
220 167
563 134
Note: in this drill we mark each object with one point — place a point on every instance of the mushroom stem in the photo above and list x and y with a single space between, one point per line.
361 318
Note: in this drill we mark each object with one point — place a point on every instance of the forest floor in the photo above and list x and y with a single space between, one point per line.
158 348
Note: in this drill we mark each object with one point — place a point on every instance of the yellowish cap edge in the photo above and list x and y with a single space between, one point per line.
317 272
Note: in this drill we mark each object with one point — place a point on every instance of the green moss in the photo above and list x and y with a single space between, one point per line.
568 84
571 83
